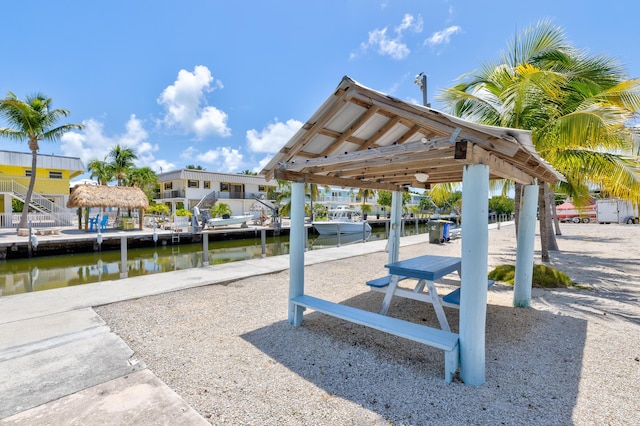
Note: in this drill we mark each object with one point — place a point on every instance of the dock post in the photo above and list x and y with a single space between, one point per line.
29 247
205 249
364 231
124 272
263 240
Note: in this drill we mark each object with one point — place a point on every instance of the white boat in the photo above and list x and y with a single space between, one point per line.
231 220
342 219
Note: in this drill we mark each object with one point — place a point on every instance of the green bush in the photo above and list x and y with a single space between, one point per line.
183 212
543 276
158 209
220 209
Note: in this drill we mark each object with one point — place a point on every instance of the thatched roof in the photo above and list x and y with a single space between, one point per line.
108 196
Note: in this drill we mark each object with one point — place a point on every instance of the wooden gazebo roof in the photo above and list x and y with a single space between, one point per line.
362 138
108 196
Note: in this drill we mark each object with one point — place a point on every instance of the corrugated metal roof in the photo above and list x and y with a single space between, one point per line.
363 138
23 159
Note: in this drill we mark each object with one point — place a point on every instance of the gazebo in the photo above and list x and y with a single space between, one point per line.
363 138
123 197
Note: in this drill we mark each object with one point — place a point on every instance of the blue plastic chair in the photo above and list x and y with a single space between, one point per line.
93 223
103 223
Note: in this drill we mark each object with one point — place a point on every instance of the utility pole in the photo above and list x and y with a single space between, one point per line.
421 82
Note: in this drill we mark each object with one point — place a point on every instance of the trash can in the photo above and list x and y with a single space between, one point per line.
436 230
439 231
445 230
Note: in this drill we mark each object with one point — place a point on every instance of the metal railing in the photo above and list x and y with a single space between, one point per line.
11 220
38 202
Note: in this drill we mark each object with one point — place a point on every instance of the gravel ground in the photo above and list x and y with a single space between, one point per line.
572 358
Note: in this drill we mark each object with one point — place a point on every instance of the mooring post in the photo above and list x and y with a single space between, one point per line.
124 272
263 240
205 249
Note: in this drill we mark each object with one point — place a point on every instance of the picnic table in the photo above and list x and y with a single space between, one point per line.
426 269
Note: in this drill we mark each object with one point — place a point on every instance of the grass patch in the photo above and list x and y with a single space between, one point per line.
543 276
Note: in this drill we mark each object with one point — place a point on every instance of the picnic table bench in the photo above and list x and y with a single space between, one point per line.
440 339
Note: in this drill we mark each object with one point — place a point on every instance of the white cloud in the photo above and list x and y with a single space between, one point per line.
392 46
185 104
223 159
92 144
410 23
442 37
273 137
262 163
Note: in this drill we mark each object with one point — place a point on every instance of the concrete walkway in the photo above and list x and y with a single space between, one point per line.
61 364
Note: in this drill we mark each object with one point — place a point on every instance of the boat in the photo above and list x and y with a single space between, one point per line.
343 220
568 212
328 240
229 220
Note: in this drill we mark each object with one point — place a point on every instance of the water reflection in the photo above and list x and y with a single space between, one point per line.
44 273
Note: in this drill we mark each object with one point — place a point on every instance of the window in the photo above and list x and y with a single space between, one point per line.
27 173
206 184
262 188
168 186
224 187
55 175
193 184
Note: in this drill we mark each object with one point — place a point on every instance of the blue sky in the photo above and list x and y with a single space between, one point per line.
224 84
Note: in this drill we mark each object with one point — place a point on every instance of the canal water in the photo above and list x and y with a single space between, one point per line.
49 272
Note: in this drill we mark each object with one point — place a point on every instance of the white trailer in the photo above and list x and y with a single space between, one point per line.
616 211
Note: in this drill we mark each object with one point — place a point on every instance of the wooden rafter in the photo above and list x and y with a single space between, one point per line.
336 181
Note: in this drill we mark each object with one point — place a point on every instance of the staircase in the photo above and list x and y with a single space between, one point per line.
208 200
38 202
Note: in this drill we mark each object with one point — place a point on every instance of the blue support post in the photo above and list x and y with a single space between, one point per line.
524 253
296 251
473 291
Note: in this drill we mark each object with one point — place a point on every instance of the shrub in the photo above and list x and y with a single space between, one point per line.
159 209
543 276
183 212
220 209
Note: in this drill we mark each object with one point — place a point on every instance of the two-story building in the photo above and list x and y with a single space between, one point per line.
187 188
51 190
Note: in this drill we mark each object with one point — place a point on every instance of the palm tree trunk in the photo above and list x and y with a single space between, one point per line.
551 236
27 199
544 236
554 212
516 199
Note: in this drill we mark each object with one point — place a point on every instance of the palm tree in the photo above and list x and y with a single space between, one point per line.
364 194
144 178
121 162
32 120
248 172
576 106
101 170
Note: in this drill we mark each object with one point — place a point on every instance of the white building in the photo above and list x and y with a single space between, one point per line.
186 188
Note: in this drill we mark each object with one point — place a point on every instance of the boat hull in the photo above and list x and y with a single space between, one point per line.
331 227
233 220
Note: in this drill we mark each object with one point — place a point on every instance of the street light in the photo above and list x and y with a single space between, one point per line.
421 82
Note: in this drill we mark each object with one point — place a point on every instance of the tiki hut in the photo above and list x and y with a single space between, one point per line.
123 197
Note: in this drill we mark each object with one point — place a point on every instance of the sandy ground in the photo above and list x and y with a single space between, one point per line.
572 358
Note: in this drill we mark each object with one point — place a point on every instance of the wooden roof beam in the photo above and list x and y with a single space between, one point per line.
473 154
409 148
336 181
